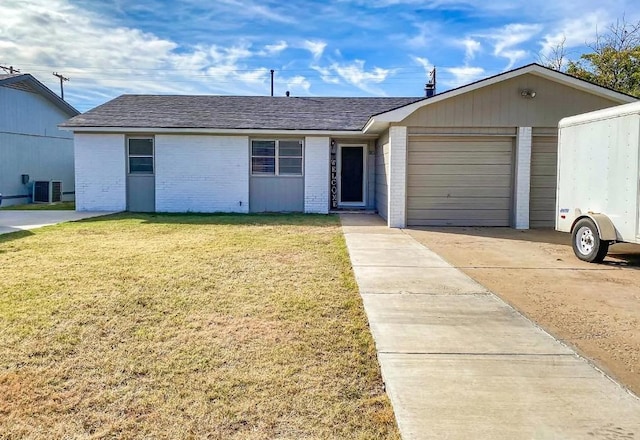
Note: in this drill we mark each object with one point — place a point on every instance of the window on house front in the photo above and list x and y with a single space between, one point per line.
276 157
140 155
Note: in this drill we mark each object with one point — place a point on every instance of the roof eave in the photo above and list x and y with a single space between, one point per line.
230 131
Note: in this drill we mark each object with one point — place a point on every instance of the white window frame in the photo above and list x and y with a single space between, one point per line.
153 154
276 157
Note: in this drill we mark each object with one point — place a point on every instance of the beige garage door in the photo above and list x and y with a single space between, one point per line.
459 181
544 159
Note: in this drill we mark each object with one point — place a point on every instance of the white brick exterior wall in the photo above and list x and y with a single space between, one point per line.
200 173
523 177
316 174
397 198
100 165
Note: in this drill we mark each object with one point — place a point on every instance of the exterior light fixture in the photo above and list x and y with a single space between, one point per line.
527 94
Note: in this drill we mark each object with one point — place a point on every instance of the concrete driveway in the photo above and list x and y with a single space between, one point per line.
459 363
12 221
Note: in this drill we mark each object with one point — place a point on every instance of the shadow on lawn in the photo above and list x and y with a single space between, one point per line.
222 219
15 234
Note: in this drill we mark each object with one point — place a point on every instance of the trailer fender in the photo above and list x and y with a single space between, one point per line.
606 230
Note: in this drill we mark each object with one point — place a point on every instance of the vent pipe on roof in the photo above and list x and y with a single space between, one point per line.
272 82
430 87
288 93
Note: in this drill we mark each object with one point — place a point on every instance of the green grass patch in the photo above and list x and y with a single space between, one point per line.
186 326
60 206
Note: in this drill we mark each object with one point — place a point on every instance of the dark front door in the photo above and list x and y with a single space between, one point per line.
351 175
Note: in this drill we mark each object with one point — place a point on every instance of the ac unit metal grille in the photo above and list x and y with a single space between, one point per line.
56 191
41 191
45 191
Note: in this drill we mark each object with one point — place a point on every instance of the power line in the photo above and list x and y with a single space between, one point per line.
10 69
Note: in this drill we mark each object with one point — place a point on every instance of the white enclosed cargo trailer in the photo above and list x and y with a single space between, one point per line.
598 179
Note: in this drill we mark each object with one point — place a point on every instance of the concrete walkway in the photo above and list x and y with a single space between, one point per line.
459 363
12 221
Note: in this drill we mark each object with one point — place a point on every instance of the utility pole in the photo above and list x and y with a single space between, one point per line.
10 69
62 79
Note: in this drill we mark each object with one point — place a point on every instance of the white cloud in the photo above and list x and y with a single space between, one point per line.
355 74
471 47
104 59
463 75
426 65
422 38
274 49
315 47
298 85
574 32
326 74
509 37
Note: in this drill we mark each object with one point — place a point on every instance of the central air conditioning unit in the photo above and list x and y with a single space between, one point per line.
47 191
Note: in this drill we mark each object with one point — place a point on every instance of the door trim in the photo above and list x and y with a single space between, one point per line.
363 203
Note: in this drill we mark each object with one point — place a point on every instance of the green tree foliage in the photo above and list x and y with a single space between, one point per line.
614 61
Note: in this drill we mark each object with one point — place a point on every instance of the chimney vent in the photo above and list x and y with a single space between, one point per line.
288 94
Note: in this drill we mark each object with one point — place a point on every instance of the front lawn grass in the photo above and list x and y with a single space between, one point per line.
186 326
59 206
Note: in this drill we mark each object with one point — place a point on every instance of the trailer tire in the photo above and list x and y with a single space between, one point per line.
586 241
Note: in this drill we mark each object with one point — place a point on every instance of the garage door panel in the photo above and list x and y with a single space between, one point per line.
541 182
546 204
477 216
466 145
544 157
451 158
461 191
464 181
544 194
460 181
463 203
543 170
488 169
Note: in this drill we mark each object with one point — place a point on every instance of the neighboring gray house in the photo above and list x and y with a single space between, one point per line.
482 154
32 147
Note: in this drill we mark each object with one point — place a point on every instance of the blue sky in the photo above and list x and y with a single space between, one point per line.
319 48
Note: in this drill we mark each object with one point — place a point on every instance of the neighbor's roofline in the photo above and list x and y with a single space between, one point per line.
397 115
236 131
44 91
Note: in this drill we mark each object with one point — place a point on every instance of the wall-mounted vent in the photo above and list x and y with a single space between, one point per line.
45 191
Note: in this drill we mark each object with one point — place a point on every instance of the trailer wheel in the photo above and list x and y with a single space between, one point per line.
587 244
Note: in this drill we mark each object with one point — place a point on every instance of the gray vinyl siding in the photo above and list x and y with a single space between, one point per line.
276 194
460 181
382 175
500 105
544 160
32 144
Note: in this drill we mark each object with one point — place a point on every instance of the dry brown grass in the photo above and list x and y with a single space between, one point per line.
177 326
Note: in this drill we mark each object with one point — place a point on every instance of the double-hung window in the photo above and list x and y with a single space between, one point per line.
276 157
140 155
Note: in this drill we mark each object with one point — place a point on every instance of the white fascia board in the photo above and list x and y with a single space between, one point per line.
213 131
401 113
374 126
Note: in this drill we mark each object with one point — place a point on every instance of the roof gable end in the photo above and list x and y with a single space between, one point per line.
27 82
381 120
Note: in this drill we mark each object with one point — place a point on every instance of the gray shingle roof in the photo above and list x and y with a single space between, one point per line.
237 112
